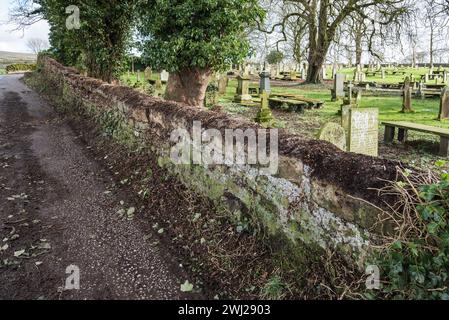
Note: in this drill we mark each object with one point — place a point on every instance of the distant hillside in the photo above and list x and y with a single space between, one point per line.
15 57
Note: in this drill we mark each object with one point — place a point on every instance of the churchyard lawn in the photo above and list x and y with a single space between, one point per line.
421 150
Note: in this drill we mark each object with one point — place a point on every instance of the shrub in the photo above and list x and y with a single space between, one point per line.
17 67
415 261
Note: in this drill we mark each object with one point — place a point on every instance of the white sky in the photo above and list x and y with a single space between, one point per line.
16 41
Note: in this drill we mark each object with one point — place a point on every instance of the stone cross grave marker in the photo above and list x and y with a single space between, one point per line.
335 134
364 131
264 116
444 104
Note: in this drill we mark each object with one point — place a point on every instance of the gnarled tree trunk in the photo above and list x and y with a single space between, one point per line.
188 86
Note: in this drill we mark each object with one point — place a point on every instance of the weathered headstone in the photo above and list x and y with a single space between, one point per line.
293 75
158 84
223 84
264 81
407 97
243 95
364 131
335 134
164 76
339 87
444 104
148 73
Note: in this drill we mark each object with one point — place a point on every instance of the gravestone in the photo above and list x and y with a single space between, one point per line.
148 73
243 95
444 105
265 82
264 116
339 87
293 75
223 84
158 84
164 76
420 91
303 74
407 97
364 131
335 134
383 73
347 101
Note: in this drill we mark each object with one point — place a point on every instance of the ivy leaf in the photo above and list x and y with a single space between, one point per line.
186 287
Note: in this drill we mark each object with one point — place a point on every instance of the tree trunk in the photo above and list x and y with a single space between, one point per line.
188 86
315 73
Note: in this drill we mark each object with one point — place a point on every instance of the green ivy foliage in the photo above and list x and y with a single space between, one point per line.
188 34
418 267
101 43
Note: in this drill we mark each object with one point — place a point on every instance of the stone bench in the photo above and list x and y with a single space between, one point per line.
404 127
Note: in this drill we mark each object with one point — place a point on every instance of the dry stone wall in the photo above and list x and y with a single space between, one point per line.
320 198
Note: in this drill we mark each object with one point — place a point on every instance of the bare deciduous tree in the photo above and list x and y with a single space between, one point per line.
37 45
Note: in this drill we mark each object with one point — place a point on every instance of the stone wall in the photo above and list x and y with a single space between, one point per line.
320 199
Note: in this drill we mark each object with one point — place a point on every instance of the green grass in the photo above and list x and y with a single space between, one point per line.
2 71
417 73
426 111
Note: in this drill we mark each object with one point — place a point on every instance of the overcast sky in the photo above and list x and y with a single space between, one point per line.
16 41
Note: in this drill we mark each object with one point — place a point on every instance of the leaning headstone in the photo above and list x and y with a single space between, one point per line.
444 104
364 131
164 76
335 134
407 97
264 84
243 95
223 84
